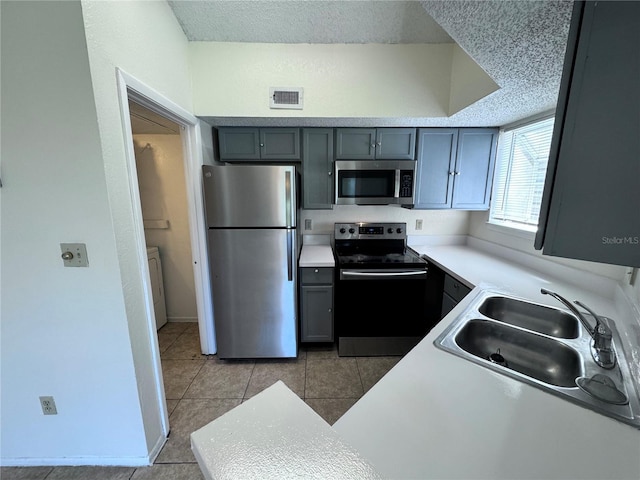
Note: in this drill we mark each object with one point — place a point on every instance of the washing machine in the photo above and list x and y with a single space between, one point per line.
157 286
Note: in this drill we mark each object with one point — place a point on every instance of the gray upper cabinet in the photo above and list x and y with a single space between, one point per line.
355 143
455 167
375 143
254 144
436 157
317 168
473 173
239 143
591 198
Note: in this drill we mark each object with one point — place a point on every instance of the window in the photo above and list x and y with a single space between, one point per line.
521 166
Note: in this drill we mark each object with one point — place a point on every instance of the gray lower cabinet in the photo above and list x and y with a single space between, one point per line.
591 197
447 304
317 168
375 143
455 167
254 144
316 304
454 291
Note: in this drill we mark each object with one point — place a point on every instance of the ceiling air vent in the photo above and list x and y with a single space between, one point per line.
287 98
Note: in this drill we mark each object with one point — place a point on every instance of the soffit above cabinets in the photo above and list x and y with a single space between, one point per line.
519 44
307 21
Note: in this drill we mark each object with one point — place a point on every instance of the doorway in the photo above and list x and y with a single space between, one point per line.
196 142
157 145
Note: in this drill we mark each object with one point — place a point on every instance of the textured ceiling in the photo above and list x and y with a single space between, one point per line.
520 44
307 21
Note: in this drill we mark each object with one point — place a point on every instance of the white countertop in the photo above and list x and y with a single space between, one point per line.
275 435
316 256
435 415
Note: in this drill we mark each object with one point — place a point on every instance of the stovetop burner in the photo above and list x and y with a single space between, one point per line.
361 258
374 245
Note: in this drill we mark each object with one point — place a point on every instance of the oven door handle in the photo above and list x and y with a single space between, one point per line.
377 275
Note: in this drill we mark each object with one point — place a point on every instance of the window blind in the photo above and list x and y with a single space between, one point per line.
521 166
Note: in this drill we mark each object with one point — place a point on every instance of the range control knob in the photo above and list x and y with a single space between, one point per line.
389 230
343 230
352 230
398 230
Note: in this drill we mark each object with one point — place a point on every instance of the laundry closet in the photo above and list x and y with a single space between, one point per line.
163 197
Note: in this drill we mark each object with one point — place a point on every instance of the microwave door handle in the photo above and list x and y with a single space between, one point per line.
396 192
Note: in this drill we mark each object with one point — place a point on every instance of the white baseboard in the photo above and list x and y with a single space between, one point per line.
88 460
183 319
77 461
155 451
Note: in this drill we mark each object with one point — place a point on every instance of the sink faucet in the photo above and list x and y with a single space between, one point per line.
601 347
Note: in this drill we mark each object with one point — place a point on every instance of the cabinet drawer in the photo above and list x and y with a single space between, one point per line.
455 289
317 276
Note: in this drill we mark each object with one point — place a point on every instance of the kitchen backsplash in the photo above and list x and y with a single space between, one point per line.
434 222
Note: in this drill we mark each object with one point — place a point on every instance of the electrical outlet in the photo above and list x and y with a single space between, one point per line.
419 224
48 406
307 224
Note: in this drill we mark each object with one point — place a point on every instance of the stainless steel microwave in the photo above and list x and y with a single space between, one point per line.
371 182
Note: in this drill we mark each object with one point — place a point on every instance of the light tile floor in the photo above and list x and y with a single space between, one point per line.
200 388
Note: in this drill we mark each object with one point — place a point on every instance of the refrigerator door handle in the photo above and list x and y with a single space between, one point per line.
290 255
288 199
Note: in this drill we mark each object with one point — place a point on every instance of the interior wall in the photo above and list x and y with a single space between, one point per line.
480 228
469 82
64 330
163 195
375 80
144 40
434 222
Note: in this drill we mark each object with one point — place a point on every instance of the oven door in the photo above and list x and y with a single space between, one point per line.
380 311
374 183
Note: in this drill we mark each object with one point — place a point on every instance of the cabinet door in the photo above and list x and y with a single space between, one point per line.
355 143
591 190
317 314
280 144
436 158
395 143
239 143
317 168
455 289
473 173
448 303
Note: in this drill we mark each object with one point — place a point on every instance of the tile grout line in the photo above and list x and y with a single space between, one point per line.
360 376
187 389
247 386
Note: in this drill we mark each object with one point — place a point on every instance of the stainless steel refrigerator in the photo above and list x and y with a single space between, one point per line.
251 217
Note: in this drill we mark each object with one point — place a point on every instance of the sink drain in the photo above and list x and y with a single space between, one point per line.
498 359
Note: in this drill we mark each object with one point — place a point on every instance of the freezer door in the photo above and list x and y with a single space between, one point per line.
239 196
253 279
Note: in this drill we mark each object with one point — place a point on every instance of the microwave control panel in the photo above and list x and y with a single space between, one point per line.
406 183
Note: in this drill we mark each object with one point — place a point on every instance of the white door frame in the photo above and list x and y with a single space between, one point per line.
129 88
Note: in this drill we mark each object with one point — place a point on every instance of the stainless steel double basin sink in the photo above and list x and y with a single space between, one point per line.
545 347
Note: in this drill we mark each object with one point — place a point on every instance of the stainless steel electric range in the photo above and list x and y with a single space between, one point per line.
380 290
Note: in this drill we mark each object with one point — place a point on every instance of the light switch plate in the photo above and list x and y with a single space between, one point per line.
307 224
79 254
